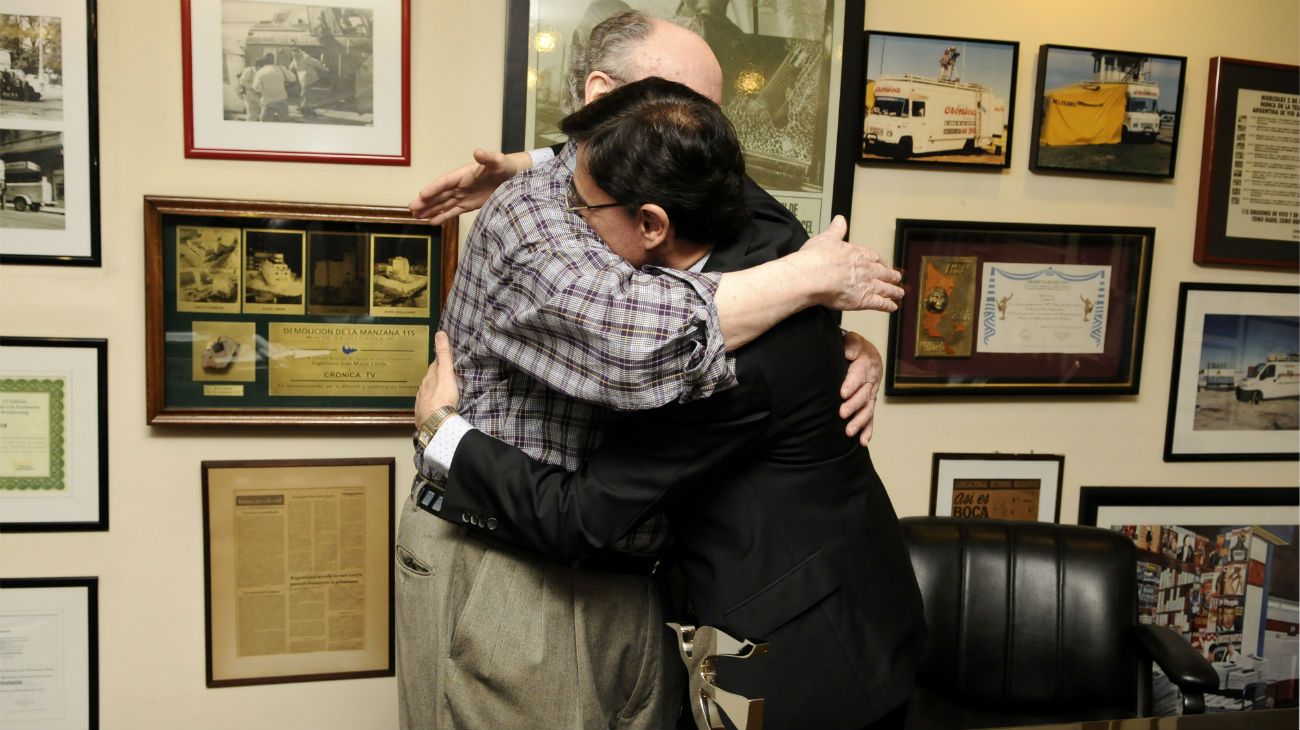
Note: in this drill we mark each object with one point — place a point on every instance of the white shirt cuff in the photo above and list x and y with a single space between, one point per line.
442 447
541 155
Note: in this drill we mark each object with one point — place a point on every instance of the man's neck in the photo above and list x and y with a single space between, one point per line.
687 256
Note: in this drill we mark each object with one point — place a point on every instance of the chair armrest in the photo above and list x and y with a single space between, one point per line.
1185 667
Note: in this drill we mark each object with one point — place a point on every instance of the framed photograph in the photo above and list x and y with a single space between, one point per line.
939 100
298 81
1236 375
1102 112
997 486
49 133
1006 308
49 679
1218 565
297 566
289 313
53 435
1247 213
791 80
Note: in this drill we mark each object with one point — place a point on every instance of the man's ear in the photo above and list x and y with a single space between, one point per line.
653 225
598 84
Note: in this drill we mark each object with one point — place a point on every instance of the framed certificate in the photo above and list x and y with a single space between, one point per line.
297 81
792 80
289 313
997 486
298 566
1248 213
997 308
49 133
53 434
49 671
1236 375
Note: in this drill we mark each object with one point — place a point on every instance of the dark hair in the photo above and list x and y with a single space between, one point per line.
656 141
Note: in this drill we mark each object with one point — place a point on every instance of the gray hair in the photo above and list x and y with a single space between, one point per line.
607 51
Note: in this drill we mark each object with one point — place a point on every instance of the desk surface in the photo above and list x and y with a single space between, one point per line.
1258 720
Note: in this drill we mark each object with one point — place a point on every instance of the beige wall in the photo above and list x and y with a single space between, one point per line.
150 563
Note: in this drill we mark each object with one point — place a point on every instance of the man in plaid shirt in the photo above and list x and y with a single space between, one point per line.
552 332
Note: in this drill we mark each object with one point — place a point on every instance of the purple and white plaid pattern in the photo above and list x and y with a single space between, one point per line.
551 329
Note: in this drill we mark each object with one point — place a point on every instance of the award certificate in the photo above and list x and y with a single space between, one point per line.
32 433
314 359
1032 308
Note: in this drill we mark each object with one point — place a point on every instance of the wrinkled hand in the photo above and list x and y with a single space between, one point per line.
861 385
439 387
850 277
463 189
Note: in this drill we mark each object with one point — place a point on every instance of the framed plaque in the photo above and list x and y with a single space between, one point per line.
49 675
1248 213
298 565
289 313
53 434
997 486
998 308
297 81
1236 374
792 79
940 101
49 133
1109 113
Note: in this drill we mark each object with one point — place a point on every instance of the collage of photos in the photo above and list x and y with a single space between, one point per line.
32 191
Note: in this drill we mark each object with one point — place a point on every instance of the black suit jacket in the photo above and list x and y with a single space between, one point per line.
784 531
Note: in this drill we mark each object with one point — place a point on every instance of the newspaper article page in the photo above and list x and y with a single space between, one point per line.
299 570
1264 199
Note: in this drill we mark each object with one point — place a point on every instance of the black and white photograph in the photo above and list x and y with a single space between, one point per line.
399 276
273 282
337 264
1235 391
939 99
31 67
780 87
303 64
297 80
1107 112
33 182
207 269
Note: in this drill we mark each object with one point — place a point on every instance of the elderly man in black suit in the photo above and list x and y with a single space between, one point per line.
784 532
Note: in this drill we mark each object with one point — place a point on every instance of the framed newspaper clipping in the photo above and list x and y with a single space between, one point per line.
792 73
1248 212
298 566
49 133
53 434
997 486
1007 308
50 667
289 313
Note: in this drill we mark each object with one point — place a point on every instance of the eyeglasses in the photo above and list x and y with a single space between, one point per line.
576 204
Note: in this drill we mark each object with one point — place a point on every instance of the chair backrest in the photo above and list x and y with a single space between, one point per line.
1026 615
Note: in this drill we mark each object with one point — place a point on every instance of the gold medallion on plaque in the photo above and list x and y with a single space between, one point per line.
945 315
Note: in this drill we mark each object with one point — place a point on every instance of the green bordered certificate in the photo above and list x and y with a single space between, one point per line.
32 433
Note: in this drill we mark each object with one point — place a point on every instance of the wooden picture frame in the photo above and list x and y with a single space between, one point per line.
1136 133
997 486
339 573
957 330
1237 222
54 442
970 119
1224 403
812 174
51 628
352 103
49 136
279 313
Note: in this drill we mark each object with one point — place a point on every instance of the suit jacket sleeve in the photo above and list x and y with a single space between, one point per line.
507 495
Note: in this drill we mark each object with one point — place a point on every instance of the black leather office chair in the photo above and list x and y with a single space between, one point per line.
1035 623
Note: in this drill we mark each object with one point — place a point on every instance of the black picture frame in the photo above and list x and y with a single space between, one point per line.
1005 471
840 153
1215 244
1091 499
1136 159
1269 311
69 250
90 721
966 103
1117 260
92 499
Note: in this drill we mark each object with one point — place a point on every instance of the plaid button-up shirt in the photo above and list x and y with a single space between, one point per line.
551 329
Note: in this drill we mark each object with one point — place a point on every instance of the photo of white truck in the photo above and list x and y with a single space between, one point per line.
1277 377
910 115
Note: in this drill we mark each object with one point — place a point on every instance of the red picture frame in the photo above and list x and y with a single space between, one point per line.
353 124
